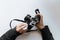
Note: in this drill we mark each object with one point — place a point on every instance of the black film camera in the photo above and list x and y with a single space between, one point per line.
31 21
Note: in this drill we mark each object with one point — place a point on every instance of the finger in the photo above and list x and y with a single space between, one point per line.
22 31
38 15
41 16
25 25
19 27
21 24
22 27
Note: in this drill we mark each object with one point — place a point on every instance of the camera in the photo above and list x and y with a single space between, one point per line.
31 21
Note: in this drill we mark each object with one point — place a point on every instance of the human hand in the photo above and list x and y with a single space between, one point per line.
40 25
21 28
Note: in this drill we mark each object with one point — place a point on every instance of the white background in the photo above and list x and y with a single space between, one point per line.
10 9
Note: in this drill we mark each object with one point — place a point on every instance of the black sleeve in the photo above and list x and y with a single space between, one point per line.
10 35
46 34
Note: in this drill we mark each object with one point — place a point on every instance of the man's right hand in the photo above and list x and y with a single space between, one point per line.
40 25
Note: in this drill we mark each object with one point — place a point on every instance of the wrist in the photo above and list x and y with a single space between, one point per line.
15 31
41 27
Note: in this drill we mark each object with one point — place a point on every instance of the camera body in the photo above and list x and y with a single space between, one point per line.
32 21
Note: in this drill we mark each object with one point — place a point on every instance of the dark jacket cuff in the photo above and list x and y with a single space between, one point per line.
46 34
45 29
11 34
